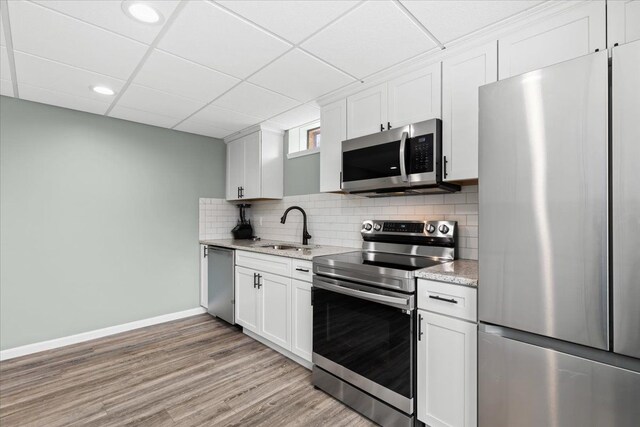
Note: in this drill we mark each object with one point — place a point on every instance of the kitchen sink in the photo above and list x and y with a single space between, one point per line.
279 247
289 247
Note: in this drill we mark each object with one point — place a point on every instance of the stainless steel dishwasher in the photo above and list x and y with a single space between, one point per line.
221 286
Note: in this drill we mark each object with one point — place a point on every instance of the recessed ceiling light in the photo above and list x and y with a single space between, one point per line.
103 90
141 11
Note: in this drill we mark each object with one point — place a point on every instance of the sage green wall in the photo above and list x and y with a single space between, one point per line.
301 174
98 220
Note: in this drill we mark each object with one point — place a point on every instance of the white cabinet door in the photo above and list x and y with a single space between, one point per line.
302 319
275 309
235 168
367 111
623 21
415 97
204 276
252 166
576 32
447 370
247 304
462 75
333 123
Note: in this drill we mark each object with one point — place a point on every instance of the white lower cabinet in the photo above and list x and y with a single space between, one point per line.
302 319
247 304
277 307
447 360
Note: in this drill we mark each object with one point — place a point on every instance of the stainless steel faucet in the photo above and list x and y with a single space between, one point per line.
305 234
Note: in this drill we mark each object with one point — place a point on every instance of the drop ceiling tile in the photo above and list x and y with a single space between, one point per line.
255 101
51 97
5 70
298 116
210 36
145 117
373 37
109 15
449 20
300 76
225 119
158 102
292 20
6 87
178 76
51 75
202 128
70 41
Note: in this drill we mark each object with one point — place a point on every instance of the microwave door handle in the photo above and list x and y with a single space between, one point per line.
403 166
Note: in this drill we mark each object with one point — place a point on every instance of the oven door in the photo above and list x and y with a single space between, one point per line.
365 337
376 161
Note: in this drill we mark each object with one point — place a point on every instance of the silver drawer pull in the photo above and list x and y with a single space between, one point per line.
451 300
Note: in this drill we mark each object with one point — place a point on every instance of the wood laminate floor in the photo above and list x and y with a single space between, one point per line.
192 372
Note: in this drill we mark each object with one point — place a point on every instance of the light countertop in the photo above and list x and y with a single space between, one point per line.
307 253
459 272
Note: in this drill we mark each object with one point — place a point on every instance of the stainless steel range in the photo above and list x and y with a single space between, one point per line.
364 316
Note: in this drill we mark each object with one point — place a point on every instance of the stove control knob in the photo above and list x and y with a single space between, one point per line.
377 227
366 226
430 228
443 229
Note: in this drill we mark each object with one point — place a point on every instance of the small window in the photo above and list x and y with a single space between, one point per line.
304 140
313 138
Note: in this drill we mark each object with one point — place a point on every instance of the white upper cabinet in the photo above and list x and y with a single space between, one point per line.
415 97
575 32
252 179
623 21
462 75
255 168
333 122
410 98
235 168
367 111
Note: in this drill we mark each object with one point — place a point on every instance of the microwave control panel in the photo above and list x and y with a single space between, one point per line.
421 152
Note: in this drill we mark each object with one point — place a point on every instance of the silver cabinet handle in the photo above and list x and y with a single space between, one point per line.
403 166
403 303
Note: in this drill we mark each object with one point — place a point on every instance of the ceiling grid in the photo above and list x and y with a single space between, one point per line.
217 67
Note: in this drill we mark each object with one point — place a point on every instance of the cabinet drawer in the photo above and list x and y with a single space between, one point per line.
445 298
302 270
267 263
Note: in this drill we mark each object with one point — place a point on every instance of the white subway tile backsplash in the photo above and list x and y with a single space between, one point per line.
335 219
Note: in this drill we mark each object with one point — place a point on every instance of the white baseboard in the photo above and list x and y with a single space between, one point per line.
11 353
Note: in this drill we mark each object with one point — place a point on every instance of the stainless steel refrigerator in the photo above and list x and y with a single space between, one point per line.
559 290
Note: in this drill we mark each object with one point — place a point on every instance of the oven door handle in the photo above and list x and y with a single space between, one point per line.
402 303
403 147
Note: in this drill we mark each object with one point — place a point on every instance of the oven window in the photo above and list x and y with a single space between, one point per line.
378 161
371 339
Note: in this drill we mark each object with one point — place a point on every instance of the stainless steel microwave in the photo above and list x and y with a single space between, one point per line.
406 160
